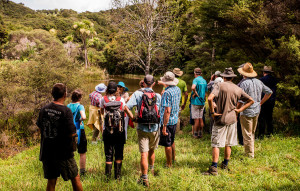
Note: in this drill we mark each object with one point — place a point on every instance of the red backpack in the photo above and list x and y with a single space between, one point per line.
148 113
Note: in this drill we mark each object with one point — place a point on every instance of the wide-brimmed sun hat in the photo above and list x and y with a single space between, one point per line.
101 88
122 84
267 69
169 79
247 70
177 72
228 72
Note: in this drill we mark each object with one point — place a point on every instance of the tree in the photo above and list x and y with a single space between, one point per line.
143 31
84 31
3 35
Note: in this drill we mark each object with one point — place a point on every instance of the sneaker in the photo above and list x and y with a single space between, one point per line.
224 166
211 171
144 182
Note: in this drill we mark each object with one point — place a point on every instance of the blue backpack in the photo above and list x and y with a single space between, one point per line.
77 124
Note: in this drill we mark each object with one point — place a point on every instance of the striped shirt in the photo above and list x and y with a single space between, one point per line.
170 98
95 98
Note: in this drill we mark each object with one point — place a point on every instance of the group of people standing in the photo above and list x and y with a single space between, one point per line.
157 118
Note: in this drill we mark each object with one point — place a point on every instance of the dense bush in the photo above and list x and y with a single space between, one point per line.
26 84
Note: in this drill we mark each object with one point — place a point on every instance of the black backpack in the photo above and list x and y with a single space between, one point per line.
113 116
148 113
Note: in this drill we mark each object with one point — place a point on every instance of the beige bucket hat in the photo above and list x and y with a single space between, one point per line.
267 69
177 72
169 79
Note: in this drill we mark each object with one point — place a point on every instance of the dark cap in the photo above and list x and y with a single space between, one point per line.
149 80
111 87
197 71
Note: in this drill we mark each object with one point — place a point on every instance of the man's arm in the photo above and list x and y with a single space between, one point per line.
166 120
128 112
194 90
248 103
211 106
239 105
267 91
186 96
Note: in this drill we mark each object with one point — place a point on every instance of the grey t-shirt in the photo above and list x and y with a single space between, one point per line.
227 95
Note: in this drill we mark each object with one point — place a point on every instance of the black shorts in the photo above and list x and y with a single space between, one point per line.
66 168
168 140
82 146
113 149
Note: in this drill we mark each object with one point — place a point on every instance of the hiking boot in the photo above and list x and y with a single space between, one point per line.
117 169
224 166
82 172
144 181
108 168
211 171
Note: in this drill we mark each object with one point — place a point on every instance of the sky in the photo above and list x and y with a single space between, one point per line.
76 5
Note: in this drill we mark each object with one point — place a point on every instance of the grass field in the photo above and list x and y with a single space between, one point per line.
275 167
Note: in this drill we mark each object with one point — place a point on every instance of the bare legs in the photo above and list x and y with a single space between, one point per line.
216 152
170 154
82 161
198 126
76 184
145 156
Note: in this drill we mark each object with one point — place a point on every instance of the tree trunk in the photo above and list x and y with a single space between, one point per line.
85 55
148 59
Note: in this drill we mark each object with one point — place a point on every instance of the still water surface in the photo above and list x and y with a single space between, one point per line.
131 83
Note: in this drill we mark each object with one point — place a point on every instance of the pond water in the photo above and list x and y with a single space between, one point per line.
131 83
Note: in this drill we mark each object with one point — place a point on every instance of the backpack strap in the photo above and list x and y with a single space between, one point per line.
75 113
106 99
119 99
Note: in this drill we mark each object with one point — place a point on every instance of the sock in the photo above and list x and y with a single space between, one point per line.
144 176
151 167
214 164
226 161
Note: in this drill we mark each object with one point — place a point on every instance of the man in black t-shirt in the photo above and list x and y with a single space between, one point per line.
58 134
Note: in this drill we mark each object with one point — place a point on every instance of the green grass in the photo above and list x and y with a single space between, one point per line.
275 167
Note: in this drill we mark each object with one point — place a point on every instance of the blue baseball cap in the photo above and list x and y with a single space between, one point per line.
122 84
100 88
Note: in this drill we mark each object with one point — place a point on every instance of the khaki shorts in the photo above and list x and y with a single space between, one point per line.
148 140
197 111
224 135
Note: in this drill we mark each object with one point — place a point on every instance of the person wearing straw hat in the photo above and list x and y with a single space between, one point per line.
199 89
169 115
249 117
224 133
266 114
95 118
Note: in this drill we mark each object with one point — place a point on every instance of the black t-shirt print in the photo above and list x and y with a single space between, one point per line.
56 127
